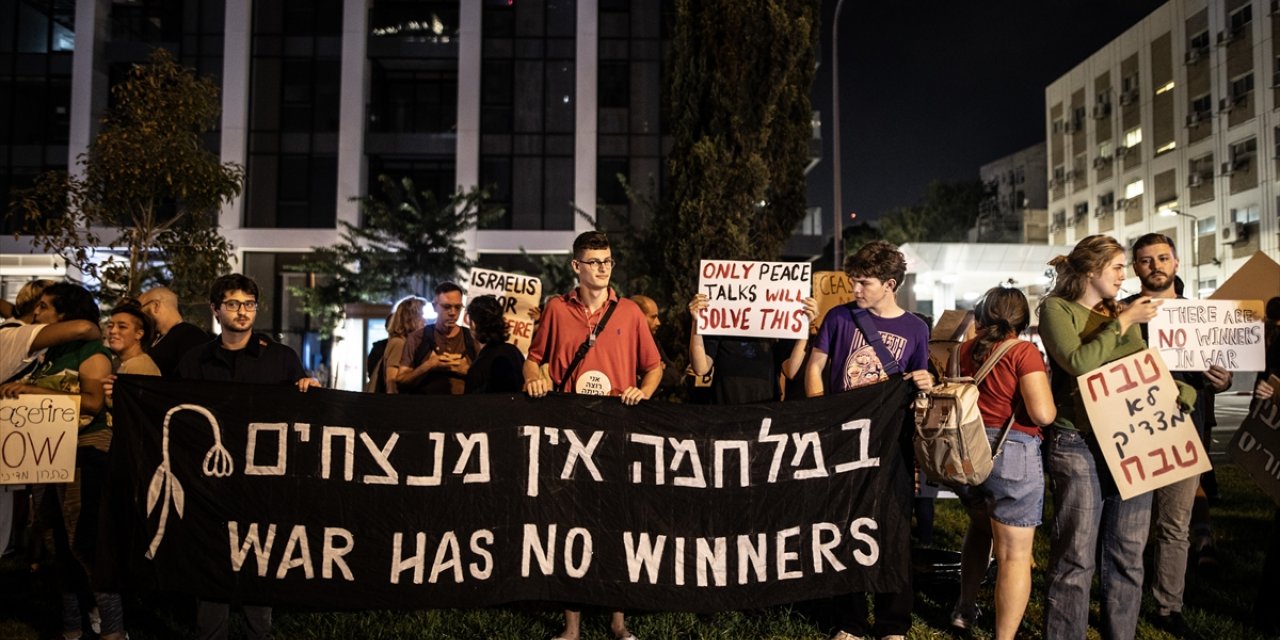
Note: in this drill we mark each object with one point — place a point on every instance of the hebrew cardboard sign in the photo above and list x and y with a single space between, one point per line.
1145 437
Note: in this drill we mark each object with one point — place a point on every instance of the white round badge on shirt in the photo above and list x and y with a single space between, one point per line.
593 383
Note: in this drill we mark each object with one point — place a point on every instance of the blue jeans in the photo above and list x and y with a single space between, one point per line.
1091 526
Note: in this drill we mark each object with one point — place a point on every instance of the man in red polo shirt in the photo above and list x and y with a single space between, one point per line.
613 335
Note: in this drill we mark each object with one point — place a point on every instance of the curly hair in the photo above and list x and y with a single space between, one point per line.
231 282
487 324
72 302
1090 256
877 259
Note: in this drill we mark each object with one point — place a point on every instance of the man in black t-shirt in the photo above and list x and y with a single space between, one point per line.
174 336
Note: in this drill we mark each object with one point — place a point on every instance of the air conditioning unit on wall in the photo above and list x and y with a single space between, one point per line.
1234 233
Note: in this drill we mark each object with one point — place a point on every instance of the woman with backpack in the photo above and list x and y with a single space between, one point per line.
1006 508
1084 327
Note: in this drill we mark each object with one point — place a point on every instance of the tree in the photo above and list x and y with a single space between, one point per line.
947 212
741 124
407 243
148 192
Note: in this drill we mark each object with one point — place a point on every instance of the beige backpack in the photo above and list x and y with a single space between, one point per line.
951 440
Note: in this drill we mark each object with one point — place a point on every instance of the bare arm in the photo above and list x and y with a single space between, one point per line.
94 373
813 386
408 376
791 366
535 384
1037 397
648 385
698 357
64 332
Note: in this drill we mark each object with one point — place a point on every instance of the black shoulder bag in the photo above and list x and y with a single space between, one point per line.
585 347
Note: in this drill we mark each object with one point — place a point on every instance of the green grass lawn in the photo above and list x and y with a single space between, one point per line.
1218 603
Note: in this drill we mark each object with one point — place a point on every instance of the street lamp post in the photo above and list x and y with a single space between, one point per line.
1195 242
837 228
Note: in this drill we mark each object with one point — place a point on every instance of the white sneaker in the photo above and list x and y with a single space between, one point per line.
95 620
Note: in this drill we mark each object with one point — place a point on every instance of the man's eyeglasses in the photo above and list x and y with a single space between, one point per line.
236 305
607 263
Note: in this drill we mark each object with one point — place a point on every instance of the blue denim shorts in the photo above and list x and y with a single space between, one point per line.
1014 492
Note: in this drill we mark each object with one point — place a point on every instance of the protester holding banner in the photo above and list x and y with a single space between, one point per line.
894 342
239 355
499 366
71 511
671 374
749 368
1083 327
406 319
1008 506
583 357
1266 615
1155 262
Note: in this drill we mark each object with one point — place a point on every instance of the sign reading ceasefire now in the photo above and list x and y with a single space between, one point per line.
1146 439
38 438
757 299
517 294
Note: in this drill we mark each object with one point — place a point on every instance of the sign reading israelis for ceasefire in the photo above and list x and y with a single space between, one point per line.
755 299
518 295
1193 334
831 289
38 438
1256 445
1147 440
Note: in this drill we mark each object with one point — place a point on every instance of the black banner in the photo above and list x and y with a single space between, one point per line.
337 500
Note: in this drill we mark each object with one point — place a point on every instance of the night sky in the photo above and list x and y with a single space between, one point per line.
935 89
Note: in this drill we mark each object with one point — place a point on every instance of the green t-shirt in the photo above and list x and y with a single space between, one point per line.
60 371
1079 340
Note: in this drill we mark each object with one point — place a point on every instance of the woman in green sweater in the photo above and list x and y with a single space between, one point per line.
1083 327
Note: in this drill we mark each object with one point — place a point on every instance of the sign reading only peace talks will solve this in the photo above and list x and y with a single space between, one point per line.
754 299
338 500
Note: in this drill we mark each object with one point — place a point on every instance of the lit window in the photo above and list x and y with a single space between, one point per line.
1133 189
1167 147
1165 88
1133 137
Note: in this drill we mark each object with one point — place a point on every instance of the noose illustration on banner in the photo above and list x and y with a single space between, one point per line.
165 486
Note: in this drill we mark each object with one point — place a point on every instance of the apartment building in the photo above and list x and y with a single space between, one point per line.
1013 203
1173 127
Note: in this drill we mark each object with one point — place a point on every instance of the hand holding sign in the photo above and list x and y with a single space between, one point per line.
1145 437
1192 335
755 299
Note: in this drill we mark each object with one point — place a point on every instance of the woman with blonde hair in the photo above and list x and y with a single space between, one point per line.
407 318
1083 327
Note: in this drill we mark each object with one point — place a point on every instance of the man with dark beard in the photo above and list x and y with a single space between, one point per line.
1155 262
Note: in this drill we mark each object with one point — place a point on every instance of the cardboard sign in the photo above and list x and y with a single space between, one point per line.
1193 334
758 299
518 295
1257 279
831 289
38 438
1146 439
1256 444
